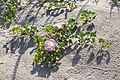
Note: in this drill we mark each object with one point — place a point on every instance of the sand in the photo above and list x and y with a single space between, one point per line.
16 53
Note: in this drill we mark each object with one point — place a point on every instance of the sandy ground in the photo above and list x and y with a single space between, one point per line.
16 53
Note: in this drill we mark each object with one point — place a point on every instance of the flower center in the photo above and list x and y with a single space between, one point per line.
51 45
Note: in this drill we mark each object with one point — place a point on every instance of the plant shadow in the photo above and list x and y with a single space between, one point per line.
77 57
44 71
90 27
113 5
30 18
21 44
33 14
99 56
51 14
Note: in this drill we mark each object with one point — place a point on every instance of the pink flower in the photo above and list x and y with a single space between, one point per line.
60 25
50 45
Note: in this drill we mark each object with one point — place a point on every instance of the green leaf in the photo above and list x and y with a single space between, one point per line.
40 58
71 21
5 0
87 33
83 19
108 44
15 29
36 57
43 29
93 41
10 15
31 33
8 20
93 34
101 40
39 40
50 29
45 7
61 0
26 26
70 27
39 51
87 15
14 1
36 60
75 23
47 37
82 34
13 10
62 44
1 16
58 55
34 28
70 41
87 40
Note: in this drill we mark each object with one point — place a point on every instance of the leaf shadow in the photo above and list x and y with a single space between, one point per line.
21 44
90 27
101 54
30 16
91 58
44 71
34 11
70 49
76 57
107 55
51 14
113 5
99 57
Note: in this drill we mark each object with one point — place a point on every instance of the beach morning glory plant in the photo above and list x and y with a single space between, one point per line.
48 52
60 36
52 45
